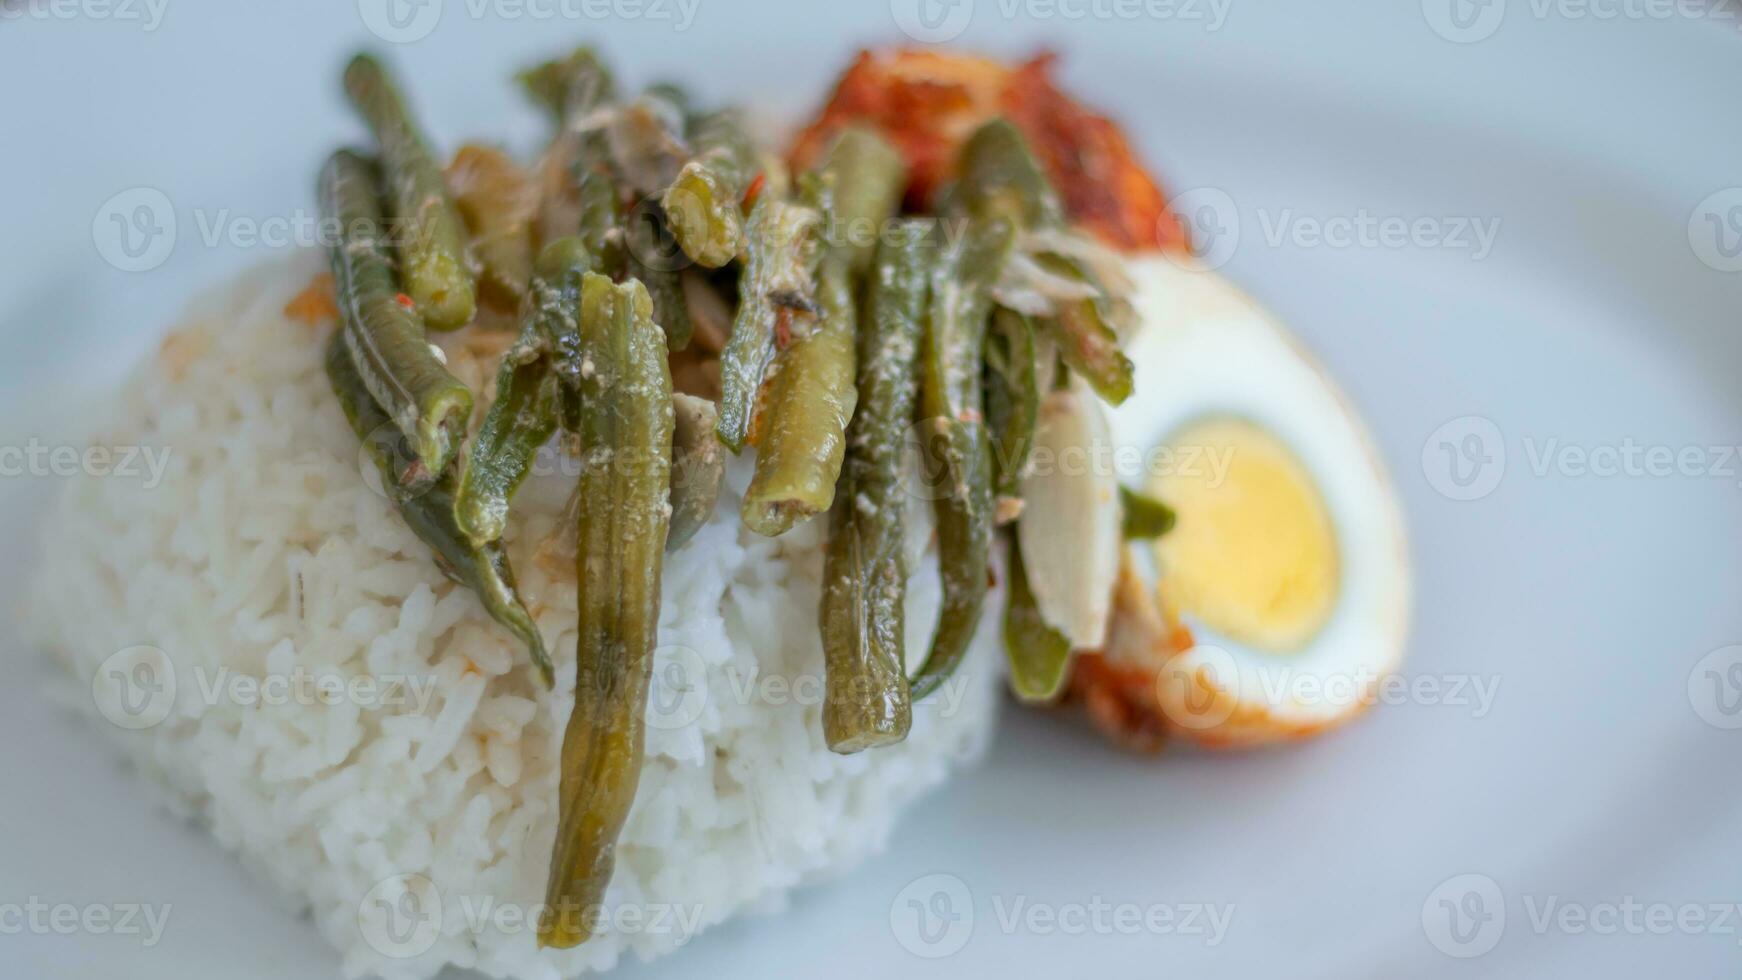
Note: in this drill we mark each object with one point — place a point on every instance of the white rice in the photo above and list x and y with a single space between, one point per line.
414 821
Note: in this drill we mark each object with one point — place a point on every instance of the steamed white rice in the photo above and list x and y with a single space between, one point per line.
267 639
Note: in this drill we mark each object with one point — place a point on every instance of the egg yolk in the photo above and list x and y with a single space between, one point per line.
1253 555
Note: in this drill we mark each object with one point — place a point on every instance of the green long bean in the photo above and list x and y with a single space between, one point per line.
706 200
387 340
529 393
625 440
429 234
698 468
999 178
1012 404
954 435
855 188
1039 655
810 401
776 296
864 574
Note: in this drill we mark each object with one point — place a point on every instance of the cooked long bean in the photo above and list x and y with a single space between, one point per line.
601 207
1039 655
698 467
429 235
706 200
1142 517
561 85
529 393
564 265
999 178
954 435
1086 337
625 440
802 437
864 573
859 182
580 190
429 512
387 340
810 402
652 259
1012 405
776 298
698 470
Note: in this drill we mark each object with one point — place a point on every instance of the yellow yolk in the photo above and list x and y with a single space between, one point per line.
1253 555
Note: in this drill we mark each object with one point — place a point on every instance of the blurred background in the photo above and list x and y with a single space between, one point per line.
1571 172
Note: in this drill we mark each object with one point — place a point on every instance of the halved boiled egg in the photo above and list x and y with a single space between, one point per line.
1288 564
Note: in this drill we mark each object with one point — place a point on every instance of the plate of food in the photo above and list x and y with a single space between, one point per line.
610 508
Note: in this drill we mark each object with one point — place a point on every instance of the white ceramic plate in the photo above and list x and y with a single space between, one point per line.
1594 799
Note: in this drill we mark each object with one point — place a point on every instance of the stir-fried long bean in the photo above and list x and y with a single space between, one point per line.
653 259
698 470
1039 655
999 178
776 296
864 574
1012 405
387 340
429 235
1142 517
429 512
857 187
580 193
954 435
802 436
625 440
698 467
528 393
561 87
810 402
1087 339
706 200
